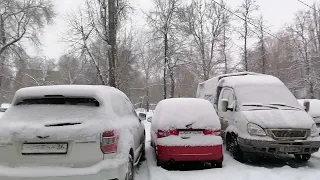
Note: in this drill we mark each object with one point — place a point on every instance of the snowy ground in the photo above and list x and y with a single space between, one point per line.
270 169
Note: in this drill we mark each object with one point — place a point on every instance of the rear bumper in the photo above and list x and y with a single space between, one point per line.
117 172
192 153
279 147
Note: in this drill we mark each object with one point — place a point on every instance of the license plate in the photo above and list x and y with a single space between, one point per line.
45 148
290 149
190 133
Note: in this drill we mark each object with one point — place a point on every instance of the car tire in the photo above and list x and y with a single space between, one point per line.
159 162
216 164
130 172
302 157
234 148
219 165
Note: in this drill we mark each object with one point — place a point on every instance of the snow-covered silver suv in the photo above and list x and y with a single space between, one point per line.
70 132
259 114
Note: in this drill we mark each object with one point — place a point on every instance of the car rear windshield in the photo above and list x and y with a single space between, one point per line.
61 101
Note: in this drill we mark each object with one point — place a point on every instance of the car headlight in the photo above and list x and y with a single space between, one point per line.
256 130
314 130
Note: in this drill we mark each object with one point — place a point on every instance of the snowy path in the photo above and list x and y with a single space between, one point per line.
270 170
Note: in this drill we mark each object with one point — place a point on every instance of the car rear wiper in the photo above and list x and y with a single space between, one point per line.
62 124
284 105
260 105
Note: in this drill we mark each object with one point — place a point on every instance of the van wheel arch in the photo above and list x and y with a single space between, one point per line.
234 147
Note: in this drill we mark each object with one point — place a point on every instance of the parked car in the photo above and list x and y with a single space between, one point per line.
70 132
313 110
259 114
3 108
149 116
186 129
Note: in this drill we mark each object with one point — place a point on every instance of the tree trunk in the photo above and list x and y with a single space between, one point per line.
165 66
224 51
245 45
172 85
147 92
263 51
2 55
112 40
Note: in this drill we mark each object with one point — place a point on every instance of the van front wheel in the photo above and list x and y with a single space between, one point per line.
234 148
302 157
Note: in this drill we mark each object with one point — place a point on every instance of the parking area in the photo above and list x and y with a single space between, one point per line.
267 169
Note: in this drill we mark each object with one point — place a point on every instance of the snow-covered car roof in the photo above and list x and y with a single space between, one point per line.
101 93
112 112
181 112
238 81
314 106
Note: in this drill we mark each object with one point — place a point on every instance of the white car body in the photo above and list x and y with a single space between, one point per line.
314 110
91 136
3 108
263 104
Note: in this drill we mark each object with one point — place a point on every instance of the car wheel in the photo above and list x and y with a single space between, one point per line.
216 164
234 148
302 157
130 172
159 162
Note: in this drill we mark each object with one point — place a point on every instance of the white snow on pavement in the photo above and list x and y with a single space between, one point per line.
233 169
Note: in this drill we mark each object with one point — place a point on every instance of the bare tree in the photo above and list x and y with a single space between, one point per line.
246 10
148 61
99 22
161 20
206 22
261 37
22 20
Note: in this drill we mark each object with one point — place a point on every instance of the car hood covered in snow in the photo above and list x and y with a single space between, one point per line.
279 118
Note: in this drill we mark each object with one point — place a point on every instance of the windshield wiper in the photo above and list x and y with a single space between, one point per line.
260 105
284 105
62 124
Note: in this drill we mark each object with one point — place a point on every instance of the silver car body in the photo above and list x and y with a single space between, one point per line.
54 141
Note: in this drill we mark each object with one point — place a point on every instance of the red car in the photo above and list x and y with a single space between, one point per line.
186 129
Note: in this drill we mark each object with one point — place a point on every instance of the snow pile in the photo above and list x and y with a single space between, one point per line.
101 93
280 119
185 113
29 121
249 80
191 141
266 94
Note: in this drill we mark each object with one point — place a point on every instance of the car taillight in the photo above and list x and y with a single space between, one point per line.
165 133
212 132
109 142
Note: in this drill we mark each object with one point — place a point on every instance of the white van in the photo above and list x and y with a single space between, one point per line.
259 114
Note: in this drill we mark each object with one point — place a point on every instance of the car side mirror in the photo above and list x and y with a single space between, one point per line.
149 119
224 105
306 105
142 116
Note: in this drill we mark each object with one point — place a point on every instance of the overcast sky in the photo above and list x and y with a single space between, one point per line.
276 13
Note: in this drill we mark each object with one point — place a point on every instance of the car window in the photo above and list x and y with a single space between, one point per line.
224 95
